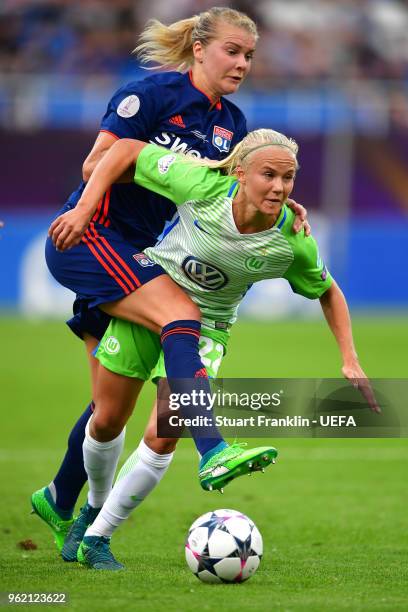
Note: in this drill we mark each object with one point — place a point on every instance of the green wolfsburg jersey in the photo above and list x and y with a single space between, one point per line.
202 249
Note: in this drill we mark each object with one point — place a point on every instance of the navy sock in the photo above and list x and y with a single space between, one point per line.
186 374
71 476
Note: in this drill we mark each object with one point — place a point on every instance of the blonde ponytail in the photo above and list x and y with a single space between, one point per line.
171 47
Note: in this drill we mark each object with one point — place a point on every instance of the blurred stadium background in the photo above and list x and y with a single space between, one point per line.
331 74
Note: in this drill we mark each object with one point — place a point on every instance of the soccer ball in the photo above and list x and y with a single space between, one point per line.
223 546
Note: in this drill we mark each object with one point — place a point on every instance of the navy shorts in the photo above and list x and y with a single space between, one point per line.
88 320
102 268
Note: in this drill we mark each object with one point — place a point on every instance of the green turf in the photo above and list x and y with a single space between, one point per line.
332 512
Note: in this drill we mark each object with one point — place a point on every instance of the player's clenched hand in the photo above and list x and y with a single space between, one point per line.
301 217
67 230
355 374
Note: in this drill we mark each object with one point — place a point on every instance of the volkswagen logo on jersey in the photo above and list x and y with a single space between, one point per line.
222 139
204 274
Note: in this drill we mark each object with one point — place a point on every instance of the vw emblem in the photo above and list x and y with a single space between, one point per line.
204 274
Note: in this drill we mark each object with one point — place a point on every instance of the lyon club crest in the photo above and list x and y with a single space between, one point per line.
222 139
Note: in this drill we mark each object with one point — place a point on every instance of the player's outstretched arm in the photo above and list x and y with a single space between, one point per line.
67 229
337 314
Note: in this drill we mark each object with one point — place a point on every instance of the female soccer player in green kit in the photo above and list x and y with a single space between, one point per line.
232 229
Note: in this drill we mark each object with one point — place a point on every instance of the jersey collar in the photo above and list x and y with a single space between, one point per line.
233 189
281 219
217 104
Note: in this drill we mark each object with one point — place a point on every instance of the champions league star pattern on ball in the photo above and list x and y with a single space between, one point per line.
223 546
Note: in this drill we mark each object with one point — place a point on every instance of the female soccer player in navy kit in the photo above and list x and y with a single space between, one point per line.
181 111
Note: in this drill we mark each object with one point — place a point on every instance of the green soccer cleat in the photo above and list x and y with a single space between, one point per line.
43 505
94 552
234 461
86 517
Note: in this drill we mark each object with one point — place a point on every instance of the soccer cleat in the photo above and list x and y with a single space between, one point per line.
86 517
234 461
94 552
44 506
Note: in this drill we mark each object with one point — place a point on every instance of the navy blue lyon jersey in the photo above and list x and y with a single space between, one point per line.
165 109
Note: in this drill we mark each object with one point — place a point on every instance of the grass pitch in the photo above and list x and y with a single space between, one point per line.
332 512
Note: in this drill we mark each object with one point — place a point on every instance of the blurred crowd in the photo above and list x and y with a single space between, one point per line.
302 39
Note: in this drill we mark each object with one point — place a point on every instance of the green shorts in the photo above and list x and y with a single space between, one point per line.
134 351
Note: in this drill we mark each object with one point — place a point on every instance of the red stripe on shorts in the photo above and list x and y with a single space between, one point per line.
106 203
97 213
117 257
103 263
96 239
